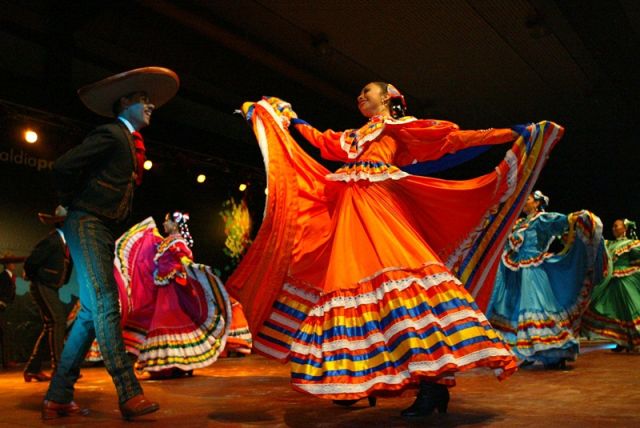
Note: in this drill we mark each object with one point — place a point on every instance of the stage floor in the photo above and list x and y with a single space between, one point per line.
601 389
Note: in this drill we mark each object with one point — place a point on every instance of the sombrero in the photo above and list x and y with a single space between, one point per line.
159 83
57 217
50 218
8 257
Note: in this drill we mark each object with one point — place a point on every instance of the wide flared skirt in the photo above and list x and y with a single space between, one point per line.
614 312
528 316
239 339
392 331
171 326
390 312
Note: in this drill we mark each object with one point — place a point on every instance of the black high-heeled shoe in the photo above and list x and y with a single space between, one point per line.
178 373
347 403
431 396
621 348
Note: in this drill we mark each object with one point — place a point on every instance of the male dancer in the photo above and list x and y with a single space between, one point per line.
96 181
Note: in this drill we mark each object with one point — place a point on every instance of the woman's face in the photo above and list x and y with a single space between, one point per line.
618 229
169 225
531 205
372 101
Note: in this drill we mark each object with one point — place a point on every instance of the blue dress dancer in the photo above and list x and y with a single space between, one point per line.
539 296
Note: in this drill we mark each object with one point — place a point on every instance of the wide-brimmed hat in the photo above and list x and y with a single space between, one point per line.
159 83
56 218
8 257
50 218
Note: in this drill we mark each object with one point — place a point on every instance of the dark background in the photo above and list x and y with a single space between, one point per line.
479 63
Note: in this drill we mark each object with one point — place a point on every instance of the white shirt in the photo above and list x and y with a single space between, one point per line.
61 233
127 124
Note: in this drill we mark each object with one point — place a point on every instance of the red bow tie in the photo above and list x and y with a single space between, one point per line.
138 141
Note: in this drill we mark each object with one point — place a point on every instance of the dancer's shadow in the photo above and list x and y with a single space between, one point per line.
323 416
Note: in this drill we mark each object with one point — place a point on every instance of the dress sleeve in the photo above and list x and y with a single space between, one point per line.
551 225
425 140
634 254
460 140
329 142
554 224
170 264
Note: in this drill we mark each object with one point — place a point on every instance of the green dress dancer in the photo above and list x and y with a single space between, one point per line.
614 312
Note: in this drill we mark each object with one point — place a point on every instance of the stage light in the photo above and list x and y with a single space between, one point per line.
201 178
242 187
30 136
266 190
148 165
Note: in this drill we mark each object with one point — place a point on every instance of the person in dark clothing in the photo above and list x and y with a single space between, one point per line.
7 296
48 267
96 182
7 283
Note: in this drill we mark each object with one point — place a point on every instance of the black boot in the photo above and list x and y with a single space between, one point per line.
431 396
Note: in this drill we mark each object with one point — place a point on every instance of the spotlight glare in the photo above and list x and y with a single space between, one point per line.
148 164
201 178
30 136
242 187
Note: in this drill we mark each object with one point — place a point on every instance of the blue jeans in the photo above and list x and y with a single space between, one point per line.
91 243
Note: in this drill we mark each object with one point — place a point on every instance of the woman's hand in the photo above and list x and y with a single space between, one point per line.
283 109
522 130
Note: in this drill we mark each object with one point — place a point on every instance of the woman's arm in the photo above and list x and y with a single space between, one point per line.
170 264
431 139
329 142
459 140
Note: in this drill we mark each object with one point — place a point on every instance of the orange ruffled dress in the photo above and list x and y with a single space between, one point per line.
351 276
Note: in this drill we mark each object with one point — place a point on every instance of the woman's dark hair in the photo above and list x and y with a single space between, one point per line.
632 232
181 219
397 104
543 199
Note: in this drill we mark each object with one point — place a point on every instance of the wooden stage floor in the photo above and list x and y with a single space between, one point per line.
602 389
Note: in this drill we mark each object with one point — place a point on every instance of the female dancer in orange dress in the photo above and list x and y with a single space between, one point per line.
352 276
